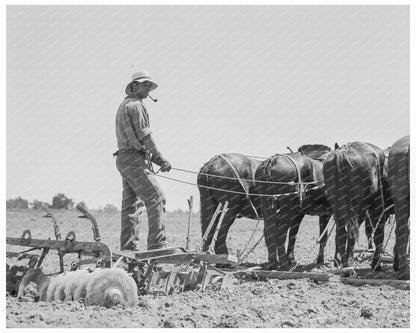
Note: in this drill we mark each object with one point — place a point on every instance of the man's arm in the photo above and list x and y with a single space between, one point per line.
157 156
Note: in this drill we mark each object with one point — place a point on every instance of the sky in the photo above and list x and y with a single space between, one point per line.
246 79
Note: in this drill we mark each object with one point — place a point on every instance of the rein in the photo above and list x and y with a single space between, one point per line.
235 192
247 180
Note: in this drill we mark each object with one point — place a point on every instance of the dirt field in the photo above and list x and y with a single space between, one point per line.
250 304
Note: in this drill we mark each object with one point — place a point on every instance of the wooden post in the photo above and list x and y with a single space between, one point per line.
238 255
211 223
326 229
189 281
190 204
205 276
284 275
170 281
399 284
342 271
153 280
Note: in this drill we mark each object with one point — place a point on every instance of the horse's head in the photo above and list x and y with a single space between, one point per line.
315 151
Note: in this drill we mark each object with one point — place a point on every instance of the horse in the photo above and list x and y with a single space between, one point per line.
398 180
295 186
227 177
357 189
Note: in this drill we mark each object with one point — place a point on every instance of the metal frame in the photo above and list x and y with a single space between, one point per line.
162 274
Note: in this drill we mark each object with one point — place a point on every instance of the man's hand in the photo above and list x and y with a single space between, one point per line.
165 167
162 162
157 157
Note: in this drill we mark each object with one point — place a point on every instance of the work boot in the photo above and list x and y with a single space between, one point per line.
132 245
157 247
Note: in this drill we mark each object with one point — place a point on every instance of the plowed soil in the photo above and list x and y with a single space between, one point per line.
250 303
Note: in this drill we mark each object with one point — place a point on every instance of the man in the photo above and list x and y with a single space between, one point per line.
136 151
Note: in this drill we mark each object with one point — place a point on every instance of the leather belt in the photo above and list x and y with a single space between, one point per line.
131 150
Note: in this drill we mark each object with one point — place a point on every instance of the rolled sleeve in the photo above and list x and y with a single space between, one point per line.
140 120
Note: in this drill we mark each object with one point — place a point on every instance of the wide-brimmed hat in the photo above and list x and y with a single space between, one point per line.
142 76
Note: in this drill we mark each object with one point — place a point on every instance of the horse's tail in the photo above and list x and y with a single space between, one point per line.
382 187
207 200
347 208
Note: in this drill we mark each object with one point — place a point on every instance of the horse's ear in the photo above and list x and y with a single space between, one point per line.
336 146
290 149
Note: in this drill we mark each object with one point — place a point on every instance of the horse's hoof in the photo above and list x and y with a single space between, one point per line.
377 269
337 263
293 263
349 273
271 267
320 264
376 266
283 267
404 275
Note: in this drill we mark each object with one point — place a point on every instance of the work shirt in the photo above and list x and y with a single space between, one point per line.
132 123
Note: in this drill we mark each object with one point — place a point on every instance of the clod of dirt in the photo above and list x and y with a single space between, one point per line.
167 324
291 285
288 323
366 313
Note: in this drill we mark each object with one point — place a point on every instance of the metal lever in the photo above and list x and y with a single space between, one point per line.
87 215
52 217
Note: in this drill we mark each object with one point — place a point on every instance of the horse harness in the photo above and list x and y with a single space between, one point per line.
379 170
300 186
245 187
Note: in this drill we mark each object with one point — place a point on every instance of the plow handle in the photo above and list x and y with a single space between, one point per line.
190 204
88 216
217 229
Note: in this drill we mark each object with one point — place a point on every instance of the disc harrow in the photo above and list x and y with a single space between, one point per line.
162 271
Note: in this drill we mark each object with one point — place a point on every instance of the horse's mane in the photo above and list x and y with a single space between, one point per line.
314 151
344 157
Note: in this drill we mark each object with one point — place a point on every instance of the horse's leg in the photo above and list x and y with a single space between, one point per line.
349 256
377 215
287 216
293 231
323 222
369 228
270 230
396 258
340 243
221 243
378 241
282 227
402 240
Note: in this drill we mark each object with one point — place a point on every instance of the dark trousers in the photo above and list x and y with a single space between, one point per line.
139 181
